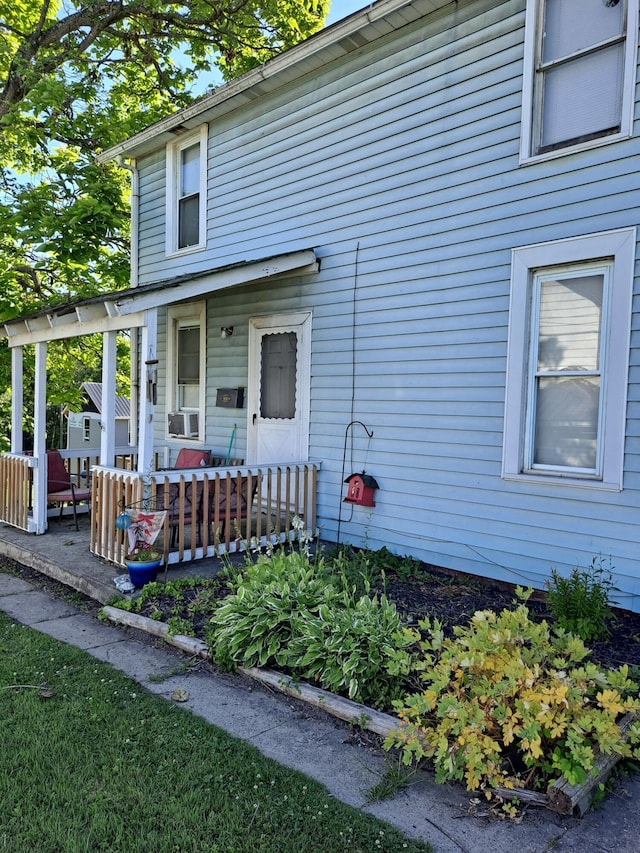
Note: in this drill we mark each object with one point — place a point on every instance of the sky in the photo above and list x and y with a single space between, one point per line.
338 9
341 8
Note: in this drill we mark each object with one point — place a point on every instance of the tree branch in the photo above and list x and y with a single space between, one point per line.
47 48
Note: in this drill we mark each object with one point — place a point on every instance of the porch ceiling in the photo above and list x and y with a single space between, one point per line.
125 309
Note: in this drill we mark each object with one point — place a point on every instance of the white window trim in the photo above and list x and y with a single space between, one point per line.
620 246
528 125
180 316
172 178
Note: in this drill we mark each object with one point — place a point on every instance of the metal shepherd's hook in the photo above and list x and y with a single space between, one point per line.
344 459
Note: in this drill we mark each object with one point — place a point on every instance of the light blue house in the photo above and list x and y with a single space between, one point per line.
411 242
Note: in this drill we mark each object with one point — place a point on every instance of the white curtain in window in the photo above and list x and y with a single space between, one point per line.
188 367
582 84
567 382
189 202
190 170
583 96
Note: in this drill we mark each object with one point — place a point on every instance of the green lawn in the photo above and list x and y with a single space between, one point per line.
89 761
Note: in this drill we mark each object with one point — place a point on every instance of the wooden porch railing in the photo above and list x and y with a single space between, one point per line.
209 511
16 489
17 476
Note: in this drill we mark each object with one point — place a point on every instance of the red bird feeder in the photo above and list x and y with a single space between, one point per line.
361 489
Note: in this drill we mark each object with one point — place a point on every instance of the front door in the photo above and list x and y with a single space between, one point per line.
279 379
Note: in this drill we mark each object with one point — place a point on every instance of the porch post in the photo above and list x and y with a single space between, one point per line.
134 379
147 400
17 398
40 440
108 419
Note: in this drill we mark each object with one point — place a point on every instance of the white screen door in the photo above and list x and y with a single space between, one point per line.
279 378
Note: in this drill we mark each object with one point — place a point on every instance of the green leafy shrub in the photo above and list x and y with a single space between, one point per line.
286 611
363 568
253 625
180 625
506 702
351 646
580 603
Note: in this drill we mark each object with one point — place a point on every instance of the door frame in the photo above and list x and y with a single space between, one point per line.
295 321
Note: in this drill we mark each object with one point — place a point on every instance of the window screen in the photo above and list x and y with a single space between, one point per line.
278 375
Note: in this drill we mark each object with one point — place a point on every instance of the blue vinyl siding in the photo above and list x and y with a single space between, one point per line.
404 154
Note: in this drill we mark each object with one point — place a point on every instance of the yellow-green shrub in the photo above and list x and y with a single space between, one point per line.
507 702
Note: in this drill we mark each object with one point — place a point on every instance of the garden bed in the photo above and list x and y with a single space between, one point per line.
561 797
450 597
333 624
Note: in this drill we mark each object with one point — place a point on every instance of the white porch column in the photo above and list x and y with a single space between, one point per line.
17 398
134 392
108 418
40 440
146 403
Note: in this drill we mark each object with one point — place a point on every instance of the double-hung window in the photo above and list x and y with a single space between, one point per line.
186 386
567 363
186 193
569 332
188 365
579 74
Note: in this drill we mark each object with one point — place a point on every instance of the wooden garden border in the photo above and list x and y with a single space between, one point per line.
561 797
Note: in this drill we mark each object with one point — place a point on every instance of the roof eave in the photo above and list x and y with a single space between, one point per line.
348 34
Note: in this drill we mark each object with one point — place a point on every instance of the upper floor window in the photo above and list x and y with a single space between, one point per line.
579 73
567 367
186 192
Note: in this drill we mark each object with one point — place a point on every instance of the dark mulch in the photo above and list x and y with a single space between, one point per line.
450 597
454 598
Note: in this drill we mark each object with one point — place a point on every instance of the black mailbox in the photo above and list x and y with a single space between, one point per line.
230 398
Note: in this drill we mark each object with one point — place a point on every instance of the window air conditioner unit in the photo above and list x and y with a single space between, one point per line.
184 424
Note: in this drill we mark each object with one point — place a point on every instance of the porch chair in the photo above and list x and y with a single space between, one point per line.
233 504
60 487
188 457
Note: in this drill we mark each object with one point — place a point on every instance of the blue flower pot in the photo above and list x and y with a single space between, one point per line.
142 573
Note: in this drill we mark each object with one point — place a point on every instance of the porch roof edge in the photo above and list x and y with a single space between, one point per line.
124 308
190 285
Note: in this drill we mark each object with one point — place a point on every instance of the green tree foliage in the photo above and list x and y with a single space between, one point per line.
77 78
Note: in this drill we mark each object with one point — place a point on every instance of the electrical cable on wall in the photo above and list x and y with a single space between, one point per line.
353 422
353 332
353 377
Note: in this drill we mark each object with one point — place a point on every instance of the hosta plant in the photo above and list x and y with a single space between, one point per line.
508 703
253 625
353 646
286 611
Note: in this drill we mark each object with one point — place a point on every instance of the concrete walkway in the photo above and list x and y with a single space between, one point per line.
302 738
